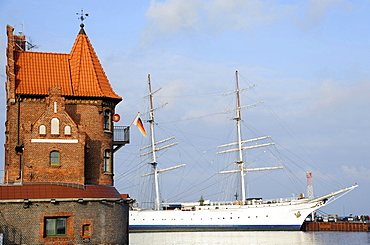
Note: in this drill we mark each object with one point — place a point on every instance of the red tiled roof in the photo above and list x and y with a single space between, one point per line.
54 191
36 72
125 196
88 76
78 73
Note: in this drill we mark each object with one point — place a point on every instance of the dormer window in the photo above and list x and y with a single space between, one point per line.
107 120
67 130
55 126
42 129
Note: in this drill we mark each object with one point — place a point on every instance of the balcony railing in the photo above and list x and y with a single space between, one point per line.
121 136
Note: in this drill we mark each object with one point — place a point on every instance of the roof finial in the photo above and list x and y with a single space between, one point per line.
82 17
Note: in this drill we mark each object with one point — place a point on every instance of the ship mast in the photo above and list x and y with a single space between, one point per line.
154 157
240 151
240 142
154 146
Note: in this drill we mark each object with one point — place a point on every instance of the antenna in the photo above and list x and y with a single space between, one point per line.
31 45
82 16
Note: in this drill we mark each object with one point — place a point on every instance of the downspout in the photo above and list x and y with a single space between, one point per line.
19 147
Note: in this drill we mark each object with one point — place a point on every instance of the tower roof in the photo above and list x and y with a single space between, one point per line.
78 73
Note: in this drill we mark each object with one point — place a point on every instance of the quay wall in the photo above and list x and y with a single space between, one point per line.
336 226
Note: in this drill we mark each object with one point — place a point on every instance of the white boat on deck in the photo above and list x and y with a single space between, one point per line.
245 215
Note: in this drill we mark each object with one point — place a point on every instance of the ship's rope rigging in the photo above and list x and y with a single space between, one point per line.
204 168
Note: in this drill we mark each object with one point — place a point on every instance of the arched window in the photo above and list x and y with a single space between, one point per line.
107 161
67 130
55 158
107 120
42 129
55 126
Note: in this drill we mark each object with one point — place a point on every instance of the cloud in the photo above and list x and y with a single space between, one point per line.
171 91
242 15
215 16
358 173
170 17
316 10
331 97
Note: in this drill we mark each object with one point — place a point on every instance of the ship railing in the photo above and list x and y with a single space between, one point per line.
280 200
251 201
257 201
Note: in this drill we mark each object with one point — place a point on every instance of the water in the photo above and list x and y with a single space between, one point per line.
254 238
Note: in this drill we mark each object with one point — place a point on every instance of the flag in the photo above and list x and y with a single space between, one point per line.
137 121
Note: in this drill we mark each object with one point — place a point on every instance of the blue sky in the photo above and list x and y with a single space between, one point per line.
309 60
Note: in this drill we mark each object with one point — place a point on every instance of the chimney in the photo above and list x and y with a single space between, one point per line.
15 42
20 42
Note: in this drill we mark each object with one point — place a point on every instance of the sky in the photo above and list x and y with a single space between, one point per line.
309 60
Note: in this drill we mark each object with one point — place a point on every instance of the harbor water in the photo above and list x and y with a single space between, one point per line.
254 238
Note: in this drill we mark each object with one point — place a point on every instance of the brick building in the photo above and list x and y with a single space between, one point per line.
58 178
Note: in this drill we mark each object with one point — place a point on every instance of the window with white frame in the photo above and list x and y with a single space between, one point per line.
42 129
55 126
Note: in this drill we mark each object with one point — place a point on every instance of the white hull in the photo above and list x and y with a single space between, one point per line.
272 216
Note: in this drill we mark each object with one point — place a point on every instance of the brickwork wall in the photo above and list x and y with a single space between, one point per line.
91 114
27 150
31 110
105 222
24 116
84 161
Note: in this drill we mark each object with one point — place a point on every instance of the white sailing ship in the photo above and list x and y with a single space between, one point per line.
204 215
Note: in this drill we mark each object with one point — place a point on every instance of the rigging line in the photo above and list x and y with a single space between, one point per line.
189 142
293 178
194 185
267 174
317 169
300 146
284 127
186 134
127 173
191 96
300 158
241 77
188 119
197 186
190 192
286 187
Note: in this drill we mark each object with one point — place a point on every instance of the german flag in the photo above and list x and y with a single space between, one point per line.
137 121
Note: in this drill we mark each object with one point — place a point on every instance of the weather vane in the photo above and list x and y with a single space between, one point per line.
82 16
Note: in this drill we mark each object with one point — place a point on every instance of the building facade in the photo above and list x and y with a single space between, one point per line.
60 139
